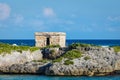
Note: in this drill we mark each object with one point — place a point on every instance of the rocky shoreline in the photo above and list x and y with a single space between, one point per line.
94 61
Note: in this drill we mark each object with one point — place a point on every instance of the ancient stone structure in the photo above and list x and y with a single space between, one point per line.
43 39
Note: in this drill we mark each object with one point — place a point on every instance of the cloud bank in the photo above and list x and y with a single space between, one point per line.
4 11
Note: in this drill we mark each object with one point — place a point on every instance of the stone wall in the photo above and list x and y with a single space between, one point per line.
40 41
55 38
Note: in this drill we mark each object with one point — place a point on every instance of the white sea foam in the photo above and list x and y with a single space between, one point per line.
105 45
14 45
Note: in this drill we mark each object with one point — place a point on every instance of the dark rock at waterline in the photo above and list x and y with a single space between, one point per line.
26 68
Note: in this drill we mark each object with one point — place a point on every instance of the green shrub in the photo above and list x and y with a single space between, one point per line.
58 59
34 60
75 45
68 62
44 60
19 50
52 51
87 58
7 48
73 54
116 48
32 49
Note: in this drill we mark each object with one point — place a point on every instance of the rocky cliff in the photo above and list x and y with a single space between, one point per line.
19 57
96 61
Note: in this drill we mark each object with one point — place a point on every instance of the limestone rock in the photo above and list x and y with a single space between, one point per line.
103 61
19 58
26 68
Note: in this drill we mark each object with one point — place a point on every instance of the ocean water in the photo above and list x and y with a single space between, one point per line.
40 77
95 42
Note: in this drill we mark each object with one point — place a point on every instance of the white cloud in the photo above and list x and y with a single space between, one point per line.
48 12
4 11
117 18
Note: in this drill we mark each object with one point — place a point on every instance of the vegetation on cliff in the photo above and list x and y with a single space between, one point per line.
87 58
116 48
7 48
75 45
68 62
72 54
58 59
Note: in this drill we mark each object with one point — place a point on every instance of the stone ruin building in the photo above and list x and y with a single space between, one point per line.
43 39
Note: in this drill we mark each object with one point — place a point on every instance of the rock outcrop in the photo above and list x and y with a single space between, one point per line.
26 68
19 58
95 61
102 61
53 53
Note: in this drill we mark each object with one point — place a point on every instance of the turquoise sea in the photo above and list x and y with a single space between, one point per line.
40 77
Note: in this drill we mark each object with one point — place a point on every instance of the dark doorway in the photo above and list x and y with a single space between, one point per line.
48 41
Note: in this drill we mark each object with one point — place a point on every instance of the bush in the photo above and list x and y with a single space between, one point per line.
68 62
73 54
75 45
87 58
32 49
19 50
116 48
58 59
52 51
44 60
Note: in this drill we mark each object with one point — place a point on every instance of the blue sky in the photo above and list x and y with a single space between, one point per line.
80 19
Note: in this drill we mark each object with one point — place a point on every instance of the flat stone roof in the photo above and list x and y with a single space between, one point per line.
50 33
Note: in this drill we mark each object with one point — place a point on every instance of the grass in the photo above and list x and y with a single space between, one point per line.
32 49
72 54
75 45
68 62
87 58
7 48
116 48
58 59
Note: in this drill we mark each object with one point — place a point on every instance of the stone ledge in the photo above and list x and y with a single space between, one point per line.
50 34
